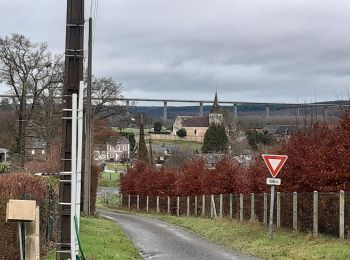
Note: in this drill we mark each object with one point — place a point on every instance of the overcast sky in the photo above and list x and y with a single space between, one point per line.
250 50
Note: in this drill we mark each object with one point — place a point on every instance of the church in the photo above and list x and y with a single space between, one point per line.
197 126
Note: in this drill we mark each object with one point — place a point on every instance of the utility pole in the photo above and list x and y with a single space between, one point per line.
87 175
74 55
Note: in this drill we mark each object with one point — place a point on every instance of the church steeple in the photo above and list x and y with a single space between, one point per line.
215 108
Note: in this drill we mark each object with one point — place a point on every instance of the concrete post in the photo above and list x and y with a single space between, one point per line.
32 239
138 202
147 203
315 213
195 205
129 202
169 205
267 115
265 208
121 200
178 206
203 205
252 207
231 205
241 207
211 205
341 214
127 106
221 206
188 206
165 111
235 115
295 211
158 209
278 221
201 109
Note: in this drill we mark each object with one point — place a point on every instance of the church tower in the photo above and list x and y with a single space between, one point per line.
215 115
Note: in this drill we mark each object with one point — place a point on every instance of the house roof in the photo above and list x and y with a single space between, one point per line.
280 129
123 140
196 122
3 150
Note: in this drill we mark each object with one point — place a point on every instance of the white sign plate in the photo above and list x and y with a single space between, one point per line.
273 181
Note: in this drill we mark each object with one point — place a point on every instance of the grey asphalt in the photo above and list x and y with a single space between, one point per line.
157 239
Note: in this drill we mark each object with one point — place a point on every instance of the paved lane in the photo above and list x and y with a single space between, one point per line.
157 239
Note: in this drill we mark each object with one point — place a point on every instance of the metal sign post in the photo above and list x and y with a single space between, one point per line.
272 201
274 163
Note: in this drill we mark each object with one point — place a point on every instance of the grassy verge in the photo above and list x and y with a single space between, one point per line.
109 179
184 144
104 239
251 238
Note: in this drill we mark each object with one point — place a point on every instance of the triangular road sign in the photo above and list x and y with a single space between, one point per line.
274 163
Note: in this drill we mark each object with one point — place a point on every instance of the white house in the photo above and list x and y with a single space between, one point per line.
117 151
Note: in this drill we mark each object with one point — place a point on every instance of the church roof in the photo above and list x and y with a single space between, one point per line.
215 108
196 122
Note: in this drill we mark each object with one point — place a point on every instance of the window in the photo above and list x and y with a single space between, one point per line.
33 151
195 131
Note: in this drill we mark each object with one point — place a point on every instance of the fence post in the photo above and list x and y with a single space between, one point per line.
188 206
241 207
195 205
265 208
121 199
203 205
169 205
295 211
129 201
315 213
211 205
252 207
341 214
158 210
138 202
221 205
147 203
231 206
178 206
278 221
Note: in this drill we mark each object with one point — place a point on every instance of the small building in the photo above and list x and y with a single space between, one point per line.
36 149
118 150
197 126
4 155
280 132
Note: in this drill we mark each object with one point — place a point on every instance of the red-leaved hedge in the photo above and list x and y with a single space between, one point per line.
319 159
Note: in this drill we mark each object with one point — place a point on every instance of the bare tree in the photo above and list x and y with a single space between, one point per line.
29 69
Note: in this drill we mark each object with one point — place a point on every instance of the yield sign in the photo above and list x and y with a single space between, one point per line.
274 163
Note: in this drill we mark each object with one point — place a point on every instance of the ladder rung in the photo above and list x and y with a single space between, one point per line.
65 203
66 181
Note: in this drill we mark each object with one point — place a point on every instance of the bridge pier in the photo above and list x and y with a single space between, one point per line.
235 111
201 109
326 114
165 111
267 113
127 106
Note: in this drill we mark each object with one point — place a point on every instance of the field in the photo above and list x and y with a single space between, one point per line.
104 239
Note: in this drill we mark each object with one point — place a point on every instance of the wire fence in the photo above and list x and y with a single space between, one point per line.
314 212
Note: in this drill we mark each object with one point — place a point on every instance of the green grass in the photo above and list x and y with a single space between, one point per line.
115 166
251 238
183 144
104 239
109 179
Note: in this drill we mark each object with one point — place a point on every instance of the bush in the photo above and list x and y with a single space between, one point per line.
4 168
215 139
182 132
157 127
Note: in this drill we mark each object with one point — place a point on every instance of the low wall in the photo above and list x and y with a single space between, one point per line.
176 138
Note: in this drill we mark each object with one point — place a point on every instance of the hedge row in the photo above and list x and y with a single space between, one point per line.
319 159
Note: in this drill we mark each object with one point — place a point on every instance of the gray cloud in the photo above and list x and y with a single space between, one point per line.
251 50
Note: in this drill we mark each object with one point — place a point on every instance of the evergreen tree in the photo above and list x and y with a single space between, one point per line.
215 139
143 154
